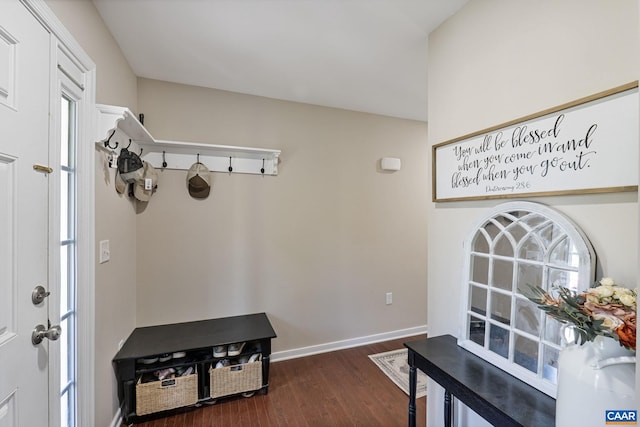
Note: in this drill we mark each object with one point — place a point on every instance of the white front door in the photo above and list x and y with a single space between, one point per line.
24 114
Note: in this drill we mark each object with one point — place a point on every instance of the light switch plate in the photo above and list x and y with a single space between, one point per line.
105 253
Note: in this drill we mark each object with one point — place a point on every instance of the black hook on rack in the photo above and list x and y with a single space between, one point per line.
262 168
230 168
198 157
164 161
107 143
127 147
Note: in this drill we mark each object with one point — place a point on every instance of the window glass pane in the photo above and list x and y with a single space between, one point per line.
64 278
64 131
565 253
480 244
480 269
64 356
478 299
502 274
533 220
503 246
530 250
527 316
499 340
505 221
550 364
476 330
568 279
529 274
519 214
72 282
550 233
64 409
552 330
501 307
526 353
71 350
64 204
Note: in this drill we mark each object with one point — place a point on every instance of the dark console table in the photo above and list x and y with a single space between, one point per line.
195 339
500 398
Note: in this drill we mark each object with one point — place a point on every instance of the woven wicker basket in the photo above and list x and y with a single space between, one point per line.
235 379
167 394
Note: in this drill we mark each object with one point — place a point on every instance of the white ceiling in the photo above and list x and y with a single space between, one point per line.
363 55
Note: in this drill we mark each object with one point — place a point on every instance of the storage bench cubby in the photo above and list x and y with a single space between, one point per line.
235 379
163 395
168 367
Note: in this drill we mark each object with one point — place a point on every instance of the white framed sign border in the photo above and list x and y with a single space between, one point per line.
582 147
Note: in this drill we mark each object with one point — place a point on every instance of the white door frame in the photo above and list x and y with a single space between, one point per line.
85 216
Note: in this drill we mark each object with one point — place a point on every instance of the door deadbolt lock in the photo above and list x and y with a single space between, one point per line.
40 333
39 294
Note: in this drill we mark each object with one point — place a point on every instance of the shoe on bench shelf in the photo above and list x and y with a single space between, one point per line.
222 363
220 351
235 349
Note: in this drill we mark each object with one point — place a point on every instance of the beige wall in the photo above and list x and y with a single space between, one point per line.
316 247
115 315
498 60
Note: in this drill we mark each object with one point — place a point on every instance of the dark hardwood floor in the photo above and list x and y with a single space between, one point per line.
341 388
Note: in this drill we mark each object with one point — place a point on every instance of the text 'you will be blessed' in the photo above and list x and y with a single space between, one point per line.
503 162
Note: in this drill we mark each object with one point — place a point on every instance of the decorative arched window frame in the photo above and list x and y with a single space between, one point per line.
517 244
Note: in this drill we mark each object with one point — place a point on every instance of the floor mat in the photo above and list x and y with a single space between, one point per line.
395 366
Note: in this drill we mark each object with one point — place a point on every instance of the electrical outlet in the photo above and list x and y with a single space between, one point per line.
105 253
389 298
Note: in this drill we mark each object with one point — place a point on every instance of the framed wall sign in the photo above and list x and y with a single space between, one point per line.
586 146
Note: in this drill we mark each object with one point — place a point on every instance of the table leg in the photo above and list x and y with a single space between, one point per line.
448 408
413 378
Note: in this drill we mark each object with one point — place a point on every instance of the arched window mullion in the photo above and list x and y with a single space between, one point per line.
515 337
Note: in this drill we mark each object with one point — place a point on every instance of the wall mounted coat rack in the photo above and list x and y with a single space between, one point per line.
181 155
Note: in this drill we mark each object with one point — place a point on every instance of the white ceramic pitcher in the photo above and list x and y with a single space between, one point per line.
592 378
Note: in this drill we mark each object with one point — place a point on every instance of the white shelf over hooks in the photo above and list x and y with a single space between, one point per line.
111 117
218 158
181 155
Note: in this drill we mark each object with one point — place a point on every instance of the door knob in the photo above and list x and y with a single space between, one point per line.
40 333
39 294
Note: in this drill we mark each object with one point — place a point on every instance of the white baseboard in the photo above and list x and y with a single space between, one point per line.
340 345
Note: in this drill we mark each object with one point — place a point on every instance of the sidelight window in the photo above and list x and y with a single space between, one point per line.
68 270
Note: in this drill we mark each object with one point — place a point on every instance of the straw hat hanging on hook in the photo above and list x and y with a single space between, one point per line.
199 180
